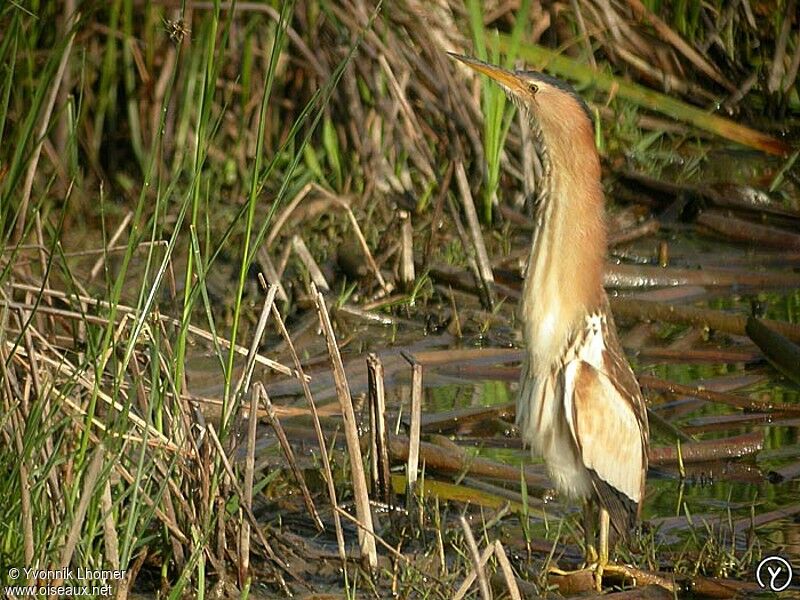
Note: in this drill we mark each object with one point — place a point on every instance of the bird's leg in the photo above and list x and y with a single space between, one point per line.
602 559
589 533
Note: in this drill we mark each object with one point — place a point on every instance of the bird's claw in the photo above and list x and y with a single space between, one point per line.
599 567
596 567
591 557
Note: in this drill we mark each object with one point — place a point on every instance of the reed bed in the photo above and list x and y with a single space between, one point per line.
242 245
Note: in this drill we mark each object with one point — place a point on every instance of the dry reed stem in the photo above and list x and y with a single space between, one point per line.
360 495
326 463
271 273
90 477
169 510
741 230
407 275
110 539
710 450
508 573
86 380
477 287
303 253
380 471
482 256
17 419
130 311
33 163
438 210
478 564
393 551
412 466
243 385
412 126
276 562
289 454
646 276
280 221
677 42
780 352
101 260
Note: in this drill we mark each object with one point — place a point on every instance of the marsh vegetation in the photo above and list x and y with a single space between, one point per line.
259 268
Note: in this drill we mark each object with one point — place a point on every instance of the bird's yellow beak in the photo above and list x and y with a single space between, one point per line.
505 78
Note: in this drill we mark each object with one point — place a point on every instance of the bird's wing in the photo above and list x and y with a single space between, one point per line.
610 437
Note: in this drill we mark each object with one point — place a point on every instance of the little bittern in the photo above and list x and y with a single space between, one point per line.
580 406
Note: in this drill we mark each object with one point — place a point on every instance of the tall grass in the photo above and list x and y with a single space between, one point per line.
108 463
497 112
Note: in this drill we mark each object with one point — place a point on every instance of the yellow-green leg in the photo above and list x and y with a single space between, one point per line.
589 534
602 559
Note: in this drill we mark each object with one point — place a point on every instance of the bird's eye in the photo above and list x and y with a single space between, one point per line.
533 88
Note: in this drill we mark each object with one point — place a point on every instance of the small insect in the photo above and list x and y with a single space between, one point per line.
176 30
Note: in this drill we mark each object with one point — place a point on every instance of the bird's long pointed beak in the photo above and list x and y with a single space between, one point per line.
505 78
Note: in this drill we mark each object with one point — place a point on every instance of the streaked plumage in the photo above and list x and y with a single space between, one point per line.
585 415
580 406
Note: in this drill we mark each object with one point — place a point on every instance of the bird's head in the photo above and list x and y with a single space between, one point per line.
553 105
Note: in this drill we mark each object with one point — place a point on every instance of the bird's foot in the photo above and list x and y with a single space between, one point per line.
599 569
589 576
591 557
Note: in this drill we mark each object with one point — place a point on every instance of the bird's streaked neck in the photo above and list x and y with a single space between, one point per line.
565 270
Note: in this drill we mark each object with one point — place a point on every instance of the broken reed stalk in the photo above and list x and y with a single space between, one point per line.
304 254
407 274
379 442
323 446
646 276
243 385
369 555
478 563
412 466
508 572
264 261
289 453
481 255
